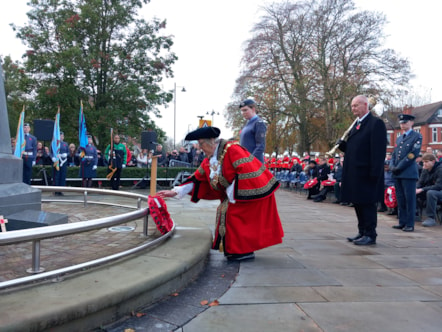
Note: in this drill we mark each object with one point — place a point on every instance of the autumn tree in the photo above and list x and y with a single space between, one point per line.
320 54
101 53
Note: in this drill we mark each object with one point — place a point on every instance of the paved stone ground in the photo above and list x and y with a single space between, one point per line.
79 248
315 280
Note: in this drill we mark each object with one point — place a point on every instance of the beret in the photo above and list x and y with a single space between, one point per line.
204 132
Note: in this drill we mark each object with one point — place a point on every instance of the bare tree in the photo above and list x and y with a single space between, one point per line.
317 55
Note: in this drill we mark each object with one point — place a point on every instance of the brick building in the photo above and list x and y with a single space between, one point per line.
428 122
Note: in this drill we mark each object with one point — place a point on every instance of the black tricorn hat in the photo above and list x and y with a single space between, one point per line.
204 132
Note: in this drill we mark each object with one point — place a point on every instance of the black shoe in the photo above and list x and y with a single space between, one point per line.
318 199
398 226
392 213
240 257
357 237
336 202
365 241
344 203
382 209
408 229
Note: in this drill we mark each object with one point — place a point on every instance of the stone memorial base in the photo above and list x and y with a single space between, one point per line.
16 197
33 218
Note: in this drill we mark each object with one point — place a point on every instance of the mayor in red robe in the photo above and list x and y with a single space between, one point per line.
247 218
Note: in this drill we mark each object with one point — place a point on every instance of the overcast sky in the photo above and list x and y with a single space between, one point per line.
209 36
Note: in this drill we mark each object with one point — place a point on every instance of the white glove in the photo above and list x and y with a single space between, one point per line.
229 192
33 163
94 167
64 155
124 166
54 160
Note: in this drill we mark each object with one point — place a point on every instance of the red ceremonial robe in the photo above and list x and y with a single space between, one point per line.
252 222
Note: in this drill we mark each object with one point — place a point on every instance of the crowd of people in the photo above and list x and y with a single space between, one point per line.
364 176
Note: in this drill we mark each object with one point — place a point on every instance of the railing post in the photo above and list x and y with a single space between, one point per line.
35 258
85 199
153 176
145 224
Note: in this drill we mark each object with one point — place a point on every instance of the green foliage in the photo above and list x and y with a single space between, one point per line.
98 52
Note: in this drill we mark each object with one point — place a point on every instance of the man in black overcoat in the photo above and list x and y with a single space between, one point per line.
363 169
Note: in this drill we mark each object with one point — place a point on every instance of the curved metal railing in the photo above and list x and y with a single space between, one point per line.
41 233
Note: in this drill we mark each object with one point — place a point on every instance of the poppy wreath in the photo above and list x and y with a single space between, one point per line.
311 183
390 197
328 183
158 211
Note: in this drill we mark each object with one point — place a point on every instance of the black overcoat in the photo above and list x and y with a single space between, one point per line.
363 169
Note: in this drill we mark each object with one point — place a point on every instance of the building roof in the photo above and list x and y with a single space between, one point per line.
427 114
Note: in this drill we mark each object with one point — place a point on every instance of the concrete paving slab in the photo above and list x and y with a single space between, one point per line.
426 276
283 277
369 277
407 261
375 316
339 262
433 289
252 318
270 295
375 294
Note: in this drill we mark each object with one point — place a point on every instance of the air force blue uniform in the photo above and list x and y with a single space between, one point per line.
405 173
28 157
253 137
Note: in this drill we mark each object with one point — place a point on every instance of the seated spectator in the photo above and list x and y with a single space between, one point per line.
323 172
429 188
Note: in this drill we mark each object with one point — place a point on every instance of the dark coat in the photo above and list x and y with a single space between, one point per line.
431 180
403 160
363 170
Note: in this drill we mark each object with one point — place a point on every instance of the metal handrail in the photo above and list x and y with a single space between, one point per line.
40 233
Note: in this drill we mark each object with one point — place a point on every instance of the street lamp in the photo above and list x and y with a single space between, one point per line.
213 113
174 111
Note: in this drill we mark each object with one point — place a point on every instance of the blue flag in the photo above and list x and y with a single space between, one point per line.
20 142
82 131
55 144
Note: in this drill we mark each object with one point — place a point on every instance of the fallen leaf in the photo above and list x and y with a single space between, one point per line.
129 330
140 314
175 294
214 303
204 302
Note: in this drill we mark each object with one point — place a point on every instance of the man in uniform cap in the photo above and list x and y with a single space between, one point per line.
405 171
29 154
253 134
247 218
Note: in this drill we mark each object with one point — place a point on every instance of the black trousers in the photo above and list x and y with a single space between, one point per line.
115 180
367 219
